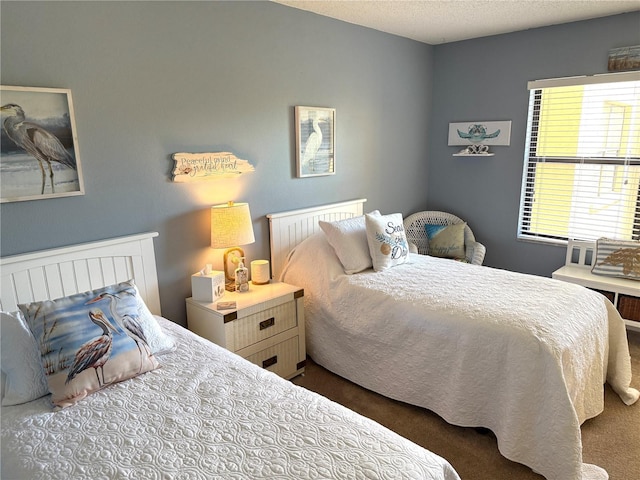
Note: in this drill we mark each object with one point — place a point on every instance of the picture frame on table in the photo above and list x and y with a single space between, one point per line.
39 158
315 141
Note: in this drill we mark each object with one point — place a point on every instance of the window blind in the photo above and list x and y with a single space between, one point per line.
581 172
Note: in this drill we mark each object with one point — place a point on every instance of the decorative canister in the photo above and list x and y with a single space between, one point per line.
260 272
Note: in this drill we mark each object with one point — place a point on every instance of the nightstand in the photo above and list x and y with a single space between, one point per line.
266 327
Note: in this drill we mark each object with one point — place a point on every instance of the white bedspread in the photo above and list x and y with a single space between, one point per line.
206 414
522 355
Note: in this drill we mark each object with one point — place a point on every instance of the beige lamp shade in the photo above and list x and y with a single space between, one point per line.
231 225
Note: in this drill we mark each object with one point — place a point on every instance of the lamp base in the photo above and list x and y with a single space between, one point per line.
232 257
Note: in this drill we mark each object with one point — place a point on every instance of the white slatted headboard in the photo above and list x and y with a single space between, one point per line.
58 272
288 229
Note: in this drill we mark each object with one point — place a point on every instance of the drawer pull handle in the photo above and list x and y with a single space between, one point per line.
270 361
267 323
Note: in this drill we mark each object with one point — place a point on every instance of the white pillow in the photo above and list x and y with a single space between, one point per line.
387 241
24 376
349 240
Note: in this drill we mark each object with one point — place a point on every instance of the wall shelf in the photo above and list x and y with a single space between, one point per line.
473 154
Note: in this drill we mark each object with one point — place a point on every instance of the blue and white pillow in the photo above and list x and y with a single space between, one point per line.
446 241
90 340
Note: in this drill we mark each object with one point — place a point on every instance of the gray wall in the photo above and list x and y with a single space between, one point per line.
153 78
486 79
149 79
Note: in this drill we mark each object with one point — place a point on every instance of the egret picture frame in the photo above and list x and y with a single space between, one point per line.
315 141
39 155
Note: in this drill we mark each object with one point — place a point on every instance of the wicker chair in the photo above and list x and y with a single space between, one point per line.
417 235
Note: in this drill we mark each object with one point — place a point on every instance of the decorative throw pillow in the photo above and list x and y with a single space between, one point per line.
617 258
89 340
387 241
349 240
24 376
446 241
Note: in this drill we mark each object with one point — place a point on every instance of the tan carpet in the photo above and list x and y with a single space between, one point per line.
611 440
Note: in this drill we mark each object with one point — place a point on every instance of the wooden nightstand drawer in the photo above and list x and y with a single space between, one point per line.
281 358
264 324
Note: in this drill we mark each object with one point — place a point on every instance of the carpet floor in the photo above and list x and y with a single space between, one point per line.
611 440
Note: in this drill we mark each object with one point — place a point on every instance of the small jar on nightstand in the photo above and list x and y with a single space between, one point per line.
266 326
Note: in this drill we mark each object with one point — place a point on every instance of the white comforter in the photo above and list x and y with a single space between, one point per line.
206 414
522 355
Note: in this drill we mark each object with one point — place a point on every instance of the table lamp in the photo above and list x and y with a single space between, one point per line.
231 226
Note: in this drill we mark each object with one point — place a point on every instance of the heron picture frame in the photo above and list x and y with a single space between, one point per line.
315 141
39 154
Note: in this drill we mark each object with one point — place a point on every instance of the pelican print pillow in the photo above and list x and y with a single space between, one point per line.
90 340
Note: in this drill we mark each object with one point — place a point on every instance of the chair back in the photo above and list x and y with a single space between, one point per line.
414 227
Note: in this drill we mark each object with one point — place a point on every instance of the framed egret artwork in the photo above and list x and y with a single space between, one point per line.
39 149
315 141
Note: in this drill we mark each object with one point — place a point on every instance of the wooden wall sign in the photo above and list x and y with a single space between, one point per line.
194 167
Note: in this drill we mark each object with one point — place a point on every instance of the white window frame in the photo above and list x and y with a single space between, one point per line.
606 161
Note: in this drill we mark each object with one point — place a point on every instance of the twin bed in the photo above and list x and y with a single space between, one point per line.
522 355
205 413
478 346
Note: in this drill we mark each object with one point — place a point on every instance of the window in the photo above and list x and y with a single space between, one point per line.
582 159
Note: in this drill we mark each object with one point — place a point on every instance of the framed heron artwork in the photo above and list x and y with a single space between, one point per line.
39 148
315 141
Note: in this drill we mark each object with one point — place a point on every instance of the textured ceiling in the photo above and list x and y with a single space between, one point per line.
441 21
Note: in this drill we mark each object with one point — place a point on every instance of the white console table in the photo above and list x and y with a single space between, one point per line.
623 293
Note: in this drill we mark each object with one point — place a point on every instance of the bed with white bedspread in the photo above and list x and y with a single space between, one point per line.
522 355
205 413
